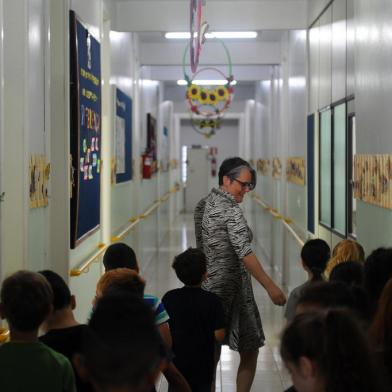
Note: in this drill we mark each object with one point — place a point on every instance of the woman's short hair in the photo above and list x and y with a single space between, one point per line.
232 168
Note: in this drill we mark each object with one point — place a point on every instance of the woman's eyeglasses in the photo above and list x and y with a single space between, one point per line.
245 185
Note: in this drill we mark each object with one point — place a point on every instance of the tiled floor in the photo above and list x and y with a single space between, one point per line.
270 375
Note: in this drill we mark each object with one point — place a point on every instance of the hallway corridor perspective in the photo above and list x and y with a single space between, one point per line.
271 376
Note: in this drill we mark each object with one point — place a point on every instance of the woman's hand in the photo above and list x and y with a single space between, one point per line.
253 265
276 294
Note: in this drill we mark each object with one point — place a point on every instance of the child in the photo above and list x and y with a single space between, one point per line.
63 333
326 351
27 364
121 351
314 255
127 280
121 255
196 321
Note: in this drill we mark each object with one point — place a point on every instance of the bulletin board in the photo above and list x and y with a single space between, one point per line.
123 136
85 132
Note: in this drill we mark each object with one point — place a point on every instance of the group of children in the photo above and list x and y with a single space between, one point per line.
333 319
339 323
129 338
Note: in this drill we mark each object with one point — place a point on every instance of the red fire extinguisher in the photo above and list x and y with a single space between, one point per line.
147 166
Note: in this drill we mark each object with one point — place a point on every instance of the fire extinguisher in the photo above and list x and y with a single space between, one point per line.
147 165
213 167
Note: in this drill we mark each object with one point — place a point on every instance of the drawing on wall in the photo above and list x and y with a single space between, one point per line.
372 179
263 167
39 172
276 168
295 170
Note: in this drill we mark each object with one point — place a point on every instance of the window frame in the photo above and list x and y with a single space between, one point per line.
348 169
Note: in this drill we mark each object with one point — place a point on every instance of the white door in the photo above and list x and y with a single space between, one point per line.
198 174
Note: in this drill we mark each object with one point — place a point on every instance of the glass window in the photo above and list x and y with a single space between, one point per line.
339 168
325 167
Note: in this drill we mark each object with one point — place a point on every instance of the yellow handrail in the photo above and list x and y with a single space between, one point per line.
84 267
4 335
285 221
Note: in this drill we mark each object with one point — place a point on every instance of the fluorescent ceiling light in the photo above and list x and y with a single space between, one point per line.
178 35
232 34
214 34
210 82
149 83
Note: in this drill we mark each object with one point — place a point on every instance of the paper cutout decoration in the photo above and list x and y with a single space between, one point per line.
39 172
263 167
276 168
372 179
295 170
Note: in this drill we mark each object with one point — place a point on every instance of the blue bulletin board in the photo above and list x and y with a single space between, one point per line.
85 132
123 137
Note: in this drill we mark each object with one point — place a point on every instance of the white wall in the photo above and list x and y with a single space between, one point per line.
373 96
279 130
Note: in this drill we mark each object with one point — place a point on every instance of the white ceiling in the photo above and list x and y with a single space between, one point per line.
162 59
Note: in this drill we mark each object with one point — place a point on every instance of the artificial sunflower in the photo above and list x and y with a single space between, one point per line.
222 93
193 92
212 97
204 97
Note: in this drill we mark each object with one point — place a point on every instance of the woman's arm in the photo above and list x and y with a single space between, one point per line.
253 265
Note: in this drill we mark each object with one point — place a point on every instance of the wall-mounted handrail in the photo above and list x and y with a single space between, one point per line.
285 221
4 335
85 266
134 221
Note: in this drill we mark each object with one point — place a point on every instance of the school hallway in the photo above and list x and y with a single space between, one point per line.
271 375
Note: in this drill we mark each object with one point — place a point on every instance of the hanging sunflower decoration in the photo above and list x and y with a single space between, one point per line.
208 103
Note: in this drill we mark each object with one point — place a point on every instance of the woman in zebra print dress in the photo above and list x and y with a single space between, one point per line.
223 234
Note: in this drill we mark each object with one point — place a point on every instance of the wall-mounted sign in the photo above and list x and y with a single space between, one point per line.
85 133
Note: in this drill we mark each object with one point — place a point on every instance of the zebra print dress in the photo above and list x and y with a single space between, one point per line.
224 236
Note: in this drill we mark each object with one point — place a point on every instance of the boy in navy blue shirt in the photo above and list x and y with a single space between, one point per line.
196 321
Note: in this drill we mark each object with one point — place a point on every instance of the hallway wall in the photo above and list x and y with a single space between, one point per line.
349 57
36 121
280 112
373 94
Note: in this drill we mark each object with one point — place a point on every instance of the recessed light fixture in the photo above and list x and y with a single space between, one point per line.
215 34
210 82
